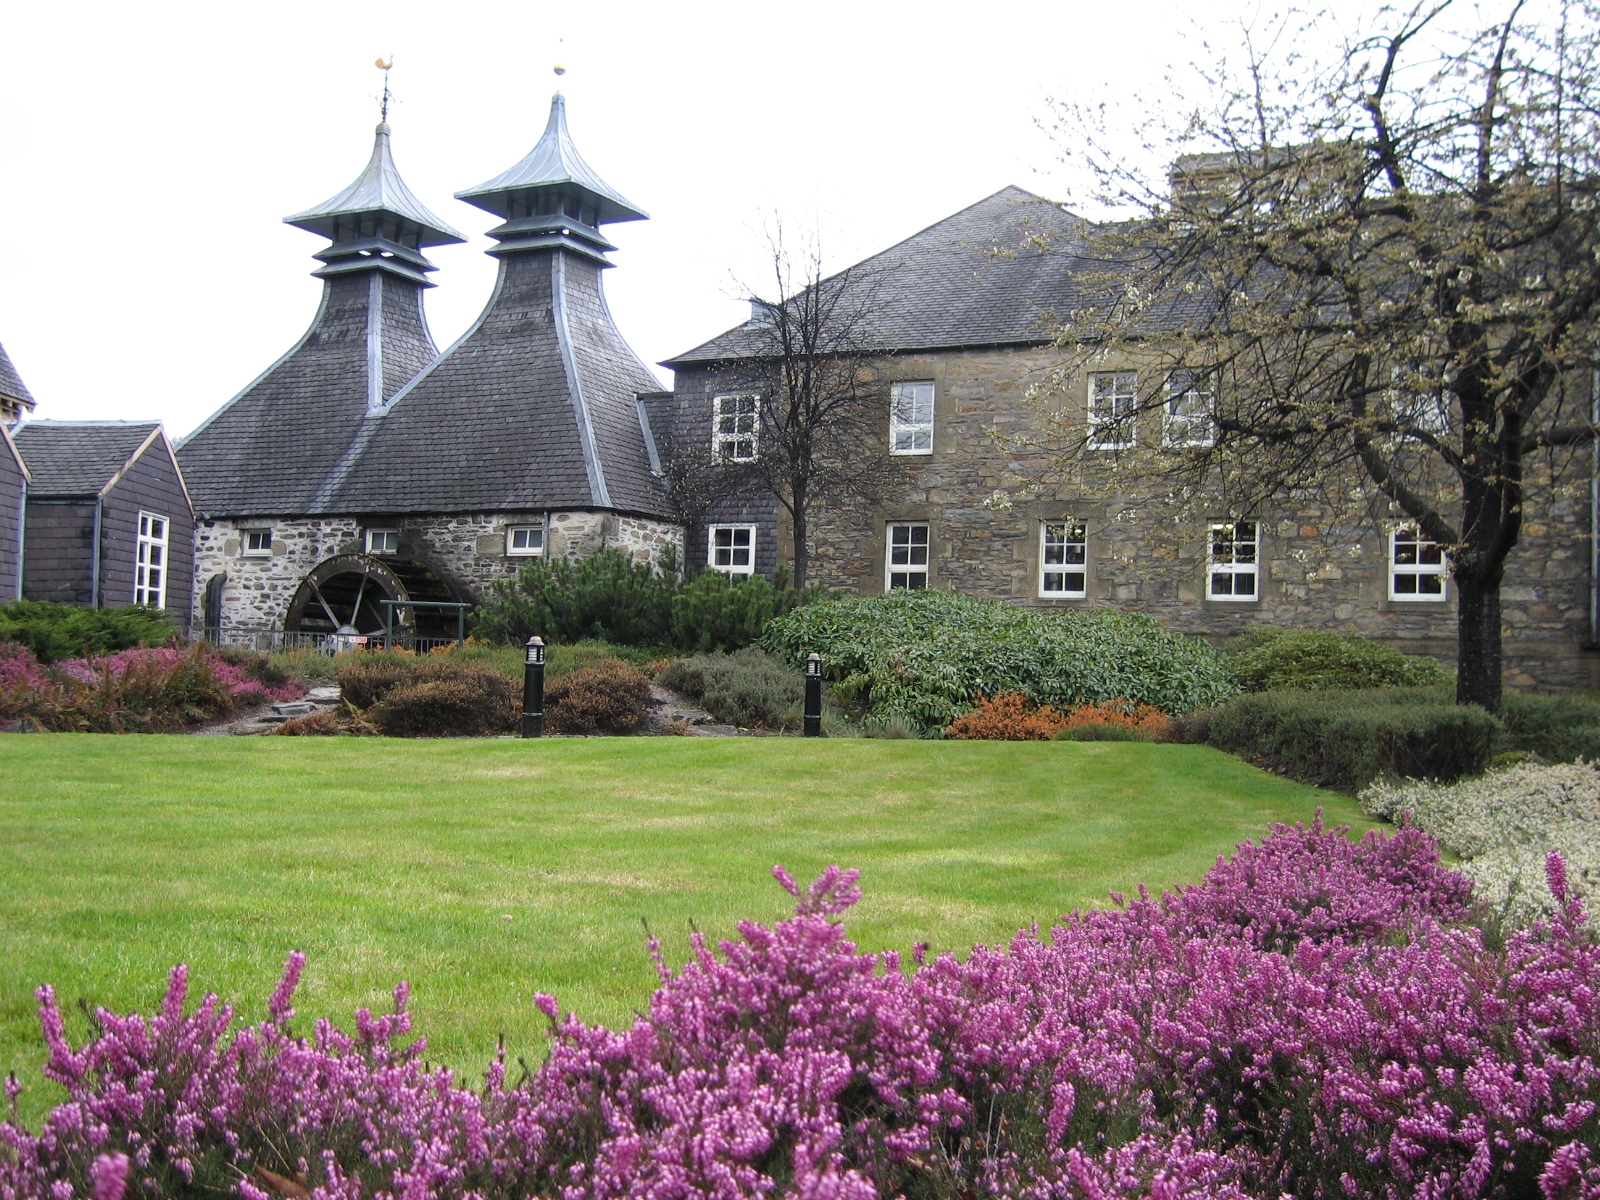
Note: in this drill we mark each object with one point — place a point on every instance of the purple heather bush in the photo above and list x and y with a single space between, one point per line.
1318 1018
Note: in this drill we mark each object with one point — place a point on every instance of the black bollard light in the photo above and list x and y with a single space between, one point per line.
533 689
813 726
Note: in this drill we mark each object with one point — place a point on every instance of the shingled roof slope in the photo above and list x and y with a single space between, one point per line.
532 408
272 448
11 384
976 278
78 458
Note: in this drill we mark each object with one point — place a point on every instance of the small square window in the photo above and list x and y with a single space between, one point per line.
257 543
1063 560
1234 572
734 427
523 541
383 541
731 549
1113 409
911 418
907 565
1417 567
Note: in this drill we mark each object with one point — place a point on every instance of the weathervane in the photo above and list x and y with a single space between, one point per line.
561 52
383 64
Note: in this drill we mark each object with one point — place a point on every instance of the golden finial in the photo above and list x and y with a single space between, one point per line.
383 64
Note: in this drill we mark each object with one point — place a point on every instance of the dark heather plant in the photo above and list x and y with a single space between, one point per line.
929 656
1268 659
608 697
749 688
609 596
1370 282
1319 1018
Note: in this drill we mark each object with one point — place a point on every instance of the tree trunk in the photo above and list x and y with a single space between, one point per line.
1478 655
802 550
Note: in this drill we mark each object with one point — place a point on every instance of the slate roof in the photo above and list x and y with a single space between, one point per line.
378 189
553 160
11 385
972 279
78 458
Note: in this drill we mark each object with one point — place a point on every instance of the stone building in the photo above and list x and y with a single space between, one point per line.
962 309
108 521
364 466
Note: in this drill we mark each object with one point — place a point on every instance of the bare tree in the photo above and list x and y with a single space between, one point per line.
1378 277
815 432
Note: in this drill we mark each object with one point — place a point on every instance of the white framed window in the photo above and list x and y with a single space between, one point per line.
258 543
1064 560
907 565
1234 572
1417 567
1113 405
734 421
150 561
524 541
731 549
911 417
1191 401
383 541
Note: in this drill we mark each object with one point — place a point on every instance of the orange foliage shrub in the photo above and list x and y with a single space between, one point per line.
1009 717
1149 720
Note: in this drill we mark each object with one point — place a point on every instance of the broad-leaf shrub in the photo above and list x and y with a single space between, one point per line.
930 655
141 690
609 697
54 632
1505 824
1317 1019
1345 740
749 688
1268 659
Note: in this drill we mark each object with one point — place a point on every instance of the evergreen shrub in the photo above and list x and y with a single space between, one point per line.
930 655
609 697
1345 740
54 632
749 688
1269 660
714 611
1558 729
608 596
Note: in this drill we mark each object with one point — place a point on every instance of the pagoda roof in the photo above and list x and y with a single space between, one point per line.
11 385
378 189
553 162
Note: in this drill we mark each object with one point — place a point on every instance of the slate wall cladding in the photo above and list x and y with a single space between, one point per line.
58 562
1318 570
11 498
467 550
150 485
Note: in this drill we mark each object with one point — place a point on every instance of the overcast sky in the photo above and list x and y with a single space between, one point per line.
148 153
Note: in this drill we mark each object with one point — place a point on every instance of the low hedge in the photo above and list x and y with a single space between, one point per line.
929 656
1559 729
1346 739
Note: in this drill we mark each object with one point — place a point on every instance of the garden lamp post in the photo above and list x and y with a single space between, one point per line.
533 689
813 725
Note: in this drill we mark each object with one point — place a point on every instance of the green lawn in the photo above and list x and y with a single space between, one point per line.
484 871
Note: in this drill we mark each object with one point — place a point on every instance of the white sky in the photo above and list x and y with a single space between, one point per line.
148 153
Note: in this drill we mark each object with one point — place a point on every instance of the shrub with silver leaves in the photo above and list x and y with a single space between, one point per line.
1504 824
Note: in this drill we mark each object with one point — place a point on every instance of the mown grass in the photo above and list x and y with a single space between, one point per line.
484 871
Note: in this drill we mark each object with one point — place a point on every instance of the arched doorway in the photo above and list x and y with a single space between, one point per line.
343 595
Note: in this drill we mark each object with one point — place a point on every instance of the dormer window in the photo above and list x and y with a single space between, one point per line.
383 541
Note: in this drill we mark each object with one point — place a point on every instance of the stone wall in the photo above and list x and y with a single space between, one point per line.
468 551
1321 567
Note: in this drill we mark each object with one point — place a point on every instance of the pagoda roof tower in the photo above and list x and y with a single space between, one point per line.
536 405
269 448
15 399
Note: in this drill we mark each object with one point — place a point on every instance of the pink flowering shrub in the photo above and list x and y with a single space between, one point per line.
142 690
1319 1018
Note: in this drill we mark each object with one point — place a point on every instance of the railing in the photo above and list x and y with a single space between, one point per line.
277 641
